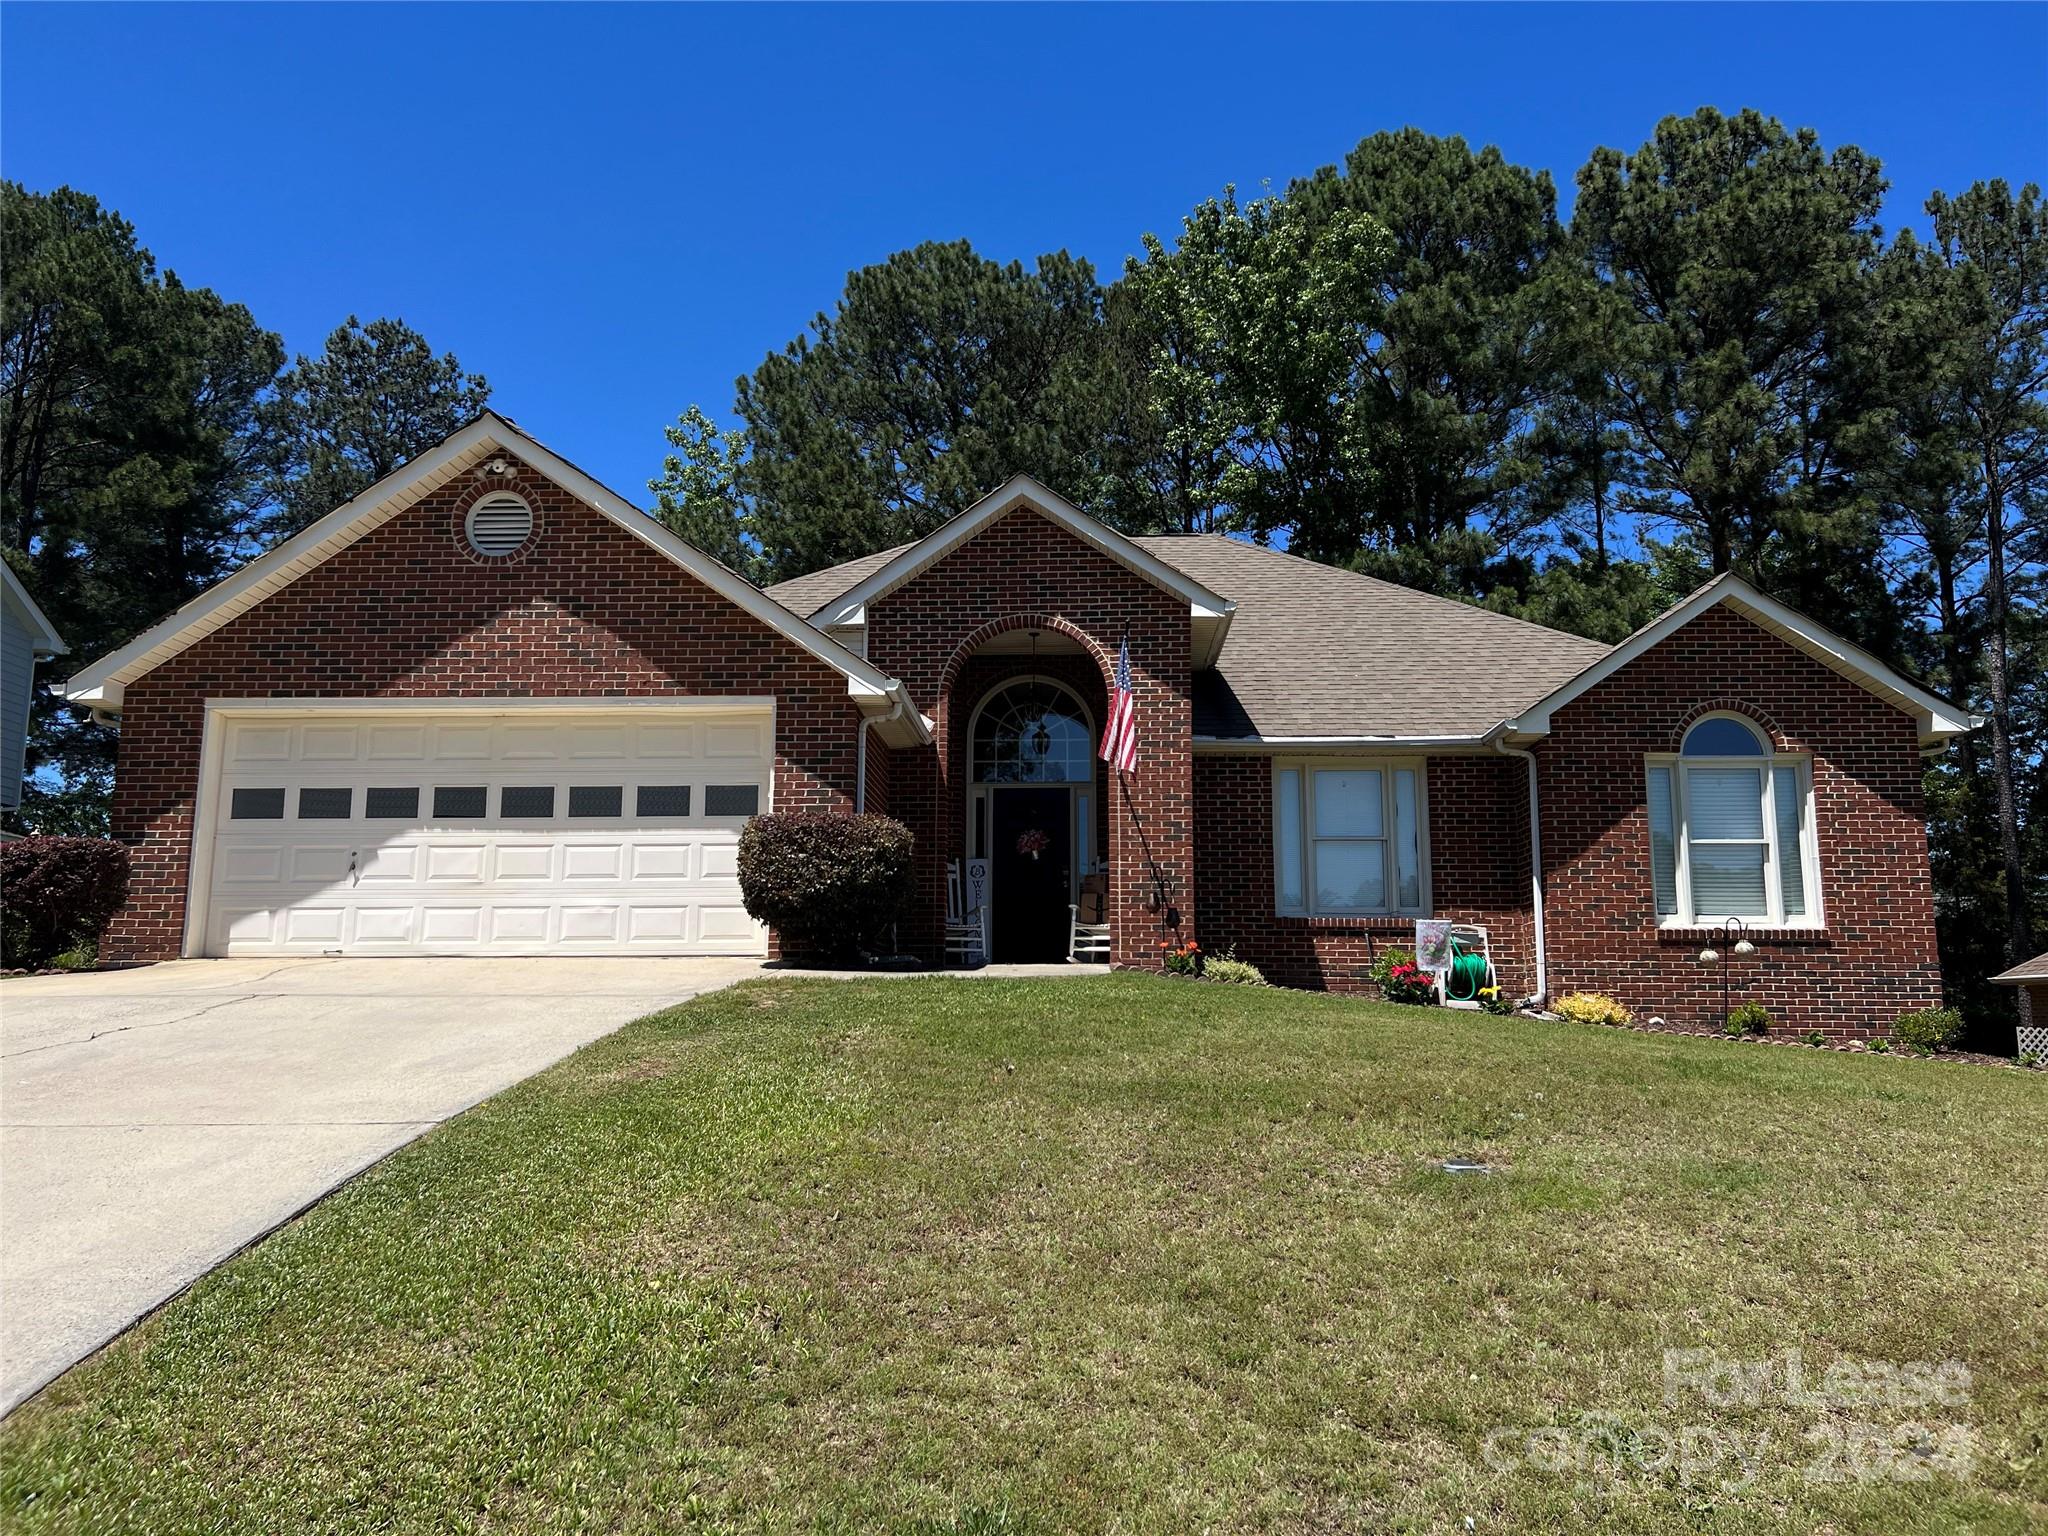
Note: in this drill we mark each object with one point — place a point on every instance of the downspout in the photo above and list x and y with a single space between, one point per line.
1542 994
860 753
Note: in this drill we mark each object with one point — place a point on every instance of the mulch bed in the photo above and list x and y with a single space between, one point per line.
1859 1047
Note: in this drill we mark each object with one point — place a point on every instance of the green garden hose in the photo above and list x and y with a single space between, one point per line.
1468 975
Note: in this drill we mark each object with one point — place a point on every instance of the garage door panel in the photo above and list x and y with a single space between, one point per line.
593 861
396 743
729 742
518 924
329 743
592 923
588 742
391 864
452 925
666 741
647 924
386 925
313 864
261 744
663 861
455 862
522 743
243 864
609 867
525 863
462 743
722 924
319 925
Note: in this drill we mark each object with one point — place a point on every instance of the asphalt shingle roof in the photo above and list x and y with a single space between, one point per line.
805 595
1315 651
2035 969
1318 651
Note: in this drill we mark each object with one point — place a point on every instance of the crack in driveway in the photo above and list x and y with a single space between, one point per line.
122 1029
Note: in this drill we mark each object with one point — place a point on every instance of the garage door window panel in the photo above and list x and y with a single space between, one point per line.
662 801
324 804
459 802
382 803
256 805
597 800
732 799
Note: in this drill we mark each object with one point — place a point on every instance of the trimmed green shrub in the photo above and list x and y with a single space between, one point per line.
1929 1029
830 886
1748 1019
1591 1008
1227 968
57 892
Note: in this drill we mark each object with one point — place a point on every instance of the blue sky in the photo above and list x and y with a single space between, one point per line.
614 211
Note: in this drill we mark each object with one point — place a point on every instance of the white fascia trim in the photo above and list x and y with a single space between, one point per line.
1020 490
44 639
101 683
1939 720
1255 745
523 704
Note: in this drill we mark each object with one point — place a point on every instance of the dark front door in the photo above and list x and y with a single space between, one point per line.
1028 903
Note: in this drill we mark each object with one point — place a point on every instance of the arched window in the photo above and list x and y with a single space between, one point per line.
1731 830
1032 732
1723 736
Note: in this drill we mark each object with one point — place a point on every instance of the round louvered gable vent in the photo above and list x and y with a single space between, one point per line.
499 524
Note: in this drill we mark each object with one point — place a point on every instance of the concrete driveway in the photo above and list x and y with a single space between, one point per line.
154 1121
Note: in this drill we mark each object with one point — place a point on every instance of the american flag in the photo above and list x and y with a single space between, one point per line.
1120 741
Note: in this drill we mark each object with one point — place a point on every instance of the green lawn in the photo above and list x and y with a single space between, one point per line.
1120 1254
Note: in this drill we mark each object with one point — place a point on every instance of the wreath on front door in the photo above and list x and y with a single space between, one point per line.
1033 842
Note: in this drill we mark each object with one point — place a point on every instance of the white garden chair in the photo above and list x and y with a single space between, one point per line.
966 931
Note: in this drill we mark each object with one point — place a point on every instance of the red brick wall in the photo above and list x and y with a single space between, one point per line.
1025 571
1876 956
1479 861
584 609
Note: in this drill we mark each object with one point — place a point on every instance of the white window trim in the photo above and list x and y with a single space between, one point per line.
1769 762
1386 767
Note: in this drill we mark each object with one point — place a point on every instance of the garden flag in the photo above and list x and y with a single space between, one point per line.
1120 741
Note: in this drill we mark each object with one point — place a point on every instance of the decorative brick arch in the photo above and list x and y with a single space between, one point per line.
1755 714
942 701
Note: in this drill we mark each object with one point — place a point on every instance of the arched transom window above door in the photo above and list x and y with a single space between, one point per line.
1032 732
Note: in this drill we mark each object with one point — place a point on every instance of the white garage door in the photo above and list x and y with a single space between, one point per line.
459 833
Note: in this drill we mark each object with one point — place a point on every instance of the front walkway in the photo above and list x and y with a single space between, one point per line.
158 1120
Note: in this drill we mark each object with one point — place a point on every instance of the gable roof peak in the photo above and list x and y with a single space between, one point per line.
102 683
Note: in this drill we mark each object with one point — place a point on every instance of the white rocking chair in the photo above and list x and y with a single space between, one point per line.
966 931
1089 941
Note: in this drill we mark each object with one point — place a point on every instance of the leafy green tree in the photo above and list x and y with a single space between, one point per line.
1735 257
698 495
375 397
131 451
938 375
1267 301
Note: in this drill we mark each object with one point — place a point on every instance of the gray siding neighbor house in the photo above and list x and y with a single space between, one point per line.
25 638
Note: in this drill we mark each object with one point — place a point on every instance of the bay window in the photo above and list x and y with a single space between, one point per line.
1348 838
1731 831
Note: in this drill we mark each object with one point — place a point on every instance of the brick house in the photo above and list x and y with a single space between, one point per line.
490 707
